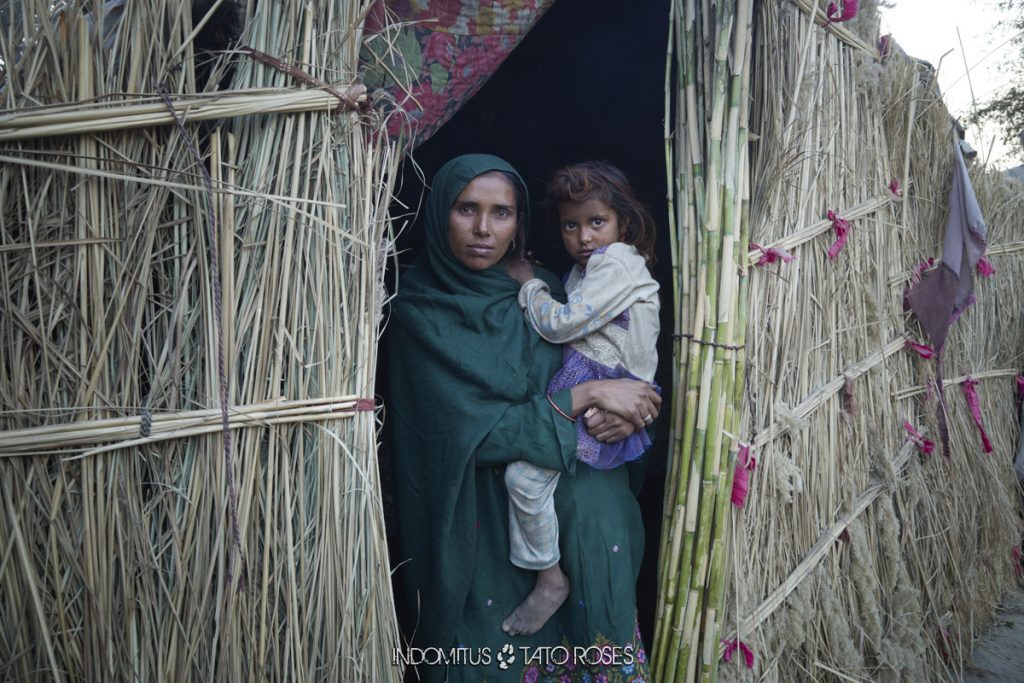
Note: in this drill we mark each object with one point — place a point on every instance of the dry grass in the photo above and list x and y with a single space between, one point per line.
118 565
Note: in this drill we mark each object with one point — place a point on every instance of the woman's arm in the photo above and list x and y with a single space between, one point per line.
533 431
542 430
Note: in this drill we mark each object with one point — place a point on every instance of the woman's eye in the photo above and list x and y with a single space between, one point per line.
504 213
465 210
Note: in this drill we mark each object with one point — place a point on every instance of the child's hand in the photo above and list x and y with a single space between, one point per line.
607 427
520 270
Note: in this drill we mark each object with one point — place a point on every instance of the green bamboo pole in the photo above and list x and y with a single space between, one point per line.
710 408
722 455
679 228
677 249
690 149
710 670
711 650
691 582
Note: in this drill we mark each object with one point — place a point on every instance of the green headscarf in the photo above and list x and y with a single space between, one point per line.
468 378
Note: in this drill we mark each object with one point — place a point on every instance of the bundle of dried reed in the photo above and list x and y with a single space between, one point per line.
708 165
155 277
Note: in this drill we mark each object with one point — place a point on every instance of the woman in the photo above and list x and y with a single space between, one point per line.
468 378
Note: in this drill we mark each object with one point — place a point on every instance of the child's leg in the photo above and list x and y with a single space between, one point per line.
533 526
533 535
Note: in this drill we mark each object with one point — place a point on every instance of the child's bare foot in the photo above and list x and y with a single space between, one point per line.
550 591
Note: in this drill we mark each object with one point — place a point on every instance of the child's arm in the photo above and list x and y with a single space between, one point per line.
614 281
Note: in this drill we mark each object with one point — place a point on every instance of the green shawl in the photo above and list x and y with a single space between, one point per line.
467 396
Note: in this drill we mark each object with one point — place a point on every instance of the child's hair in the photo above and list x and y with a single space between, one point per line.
605 182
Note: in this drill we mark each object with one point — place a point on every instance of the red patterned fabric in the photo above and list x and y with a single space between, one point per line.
443 53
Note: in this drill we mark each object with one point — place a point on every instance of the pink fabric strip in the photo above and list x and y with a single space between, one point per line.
924 445
1020 387
922 350
730 649
884 45
748 655
745 464
1017 566
772 255
849 11
842 228
918 269
849 398
971 394
894 187
985 269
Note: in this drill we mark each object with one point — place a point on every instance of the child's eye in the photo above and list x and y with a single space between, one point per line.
598 222
568 226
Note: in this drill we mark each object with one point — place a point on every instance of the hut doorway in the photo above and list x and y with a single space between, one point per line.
587 82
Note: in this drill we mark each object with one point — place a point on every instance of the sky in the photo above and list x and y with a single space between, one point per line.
927 29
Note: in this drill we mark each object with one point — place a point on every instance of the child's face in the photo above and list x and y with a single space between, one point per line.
586 226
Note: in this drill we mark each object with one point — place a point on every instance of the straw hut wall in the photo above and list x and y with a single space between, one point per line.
857 556
189 327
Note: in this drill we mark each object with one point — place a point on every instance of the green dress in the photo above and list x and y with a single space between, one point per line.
467 396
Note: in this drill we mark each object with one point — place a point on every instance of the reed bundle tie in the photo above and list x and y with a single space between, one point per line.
146 423
922 350
849 399
745 464
926 446
842 229
770 255
736 644
985 268
971 394
849 11
729 347
352 99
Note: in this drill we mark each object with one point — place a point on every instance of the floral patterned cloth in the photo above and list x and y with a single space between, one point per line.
443 53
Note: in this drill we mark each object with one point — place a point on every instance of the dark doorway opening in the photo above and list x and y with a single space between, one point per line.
588 82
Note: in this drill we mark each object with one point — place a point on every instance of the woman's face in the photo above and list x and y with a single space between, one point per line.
482 222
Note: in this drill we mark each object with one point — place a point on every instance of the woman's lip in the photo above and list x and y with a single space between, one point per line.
480 248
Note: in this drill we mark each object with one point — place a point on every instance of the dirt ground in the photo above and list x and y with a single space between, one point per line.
999 652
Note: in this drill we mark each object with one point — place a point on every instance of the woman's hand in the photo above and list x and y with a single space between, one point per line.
607 427
519 270
635 400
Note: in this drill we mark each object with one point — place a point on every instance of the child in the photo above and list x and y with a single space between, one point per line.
610 326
